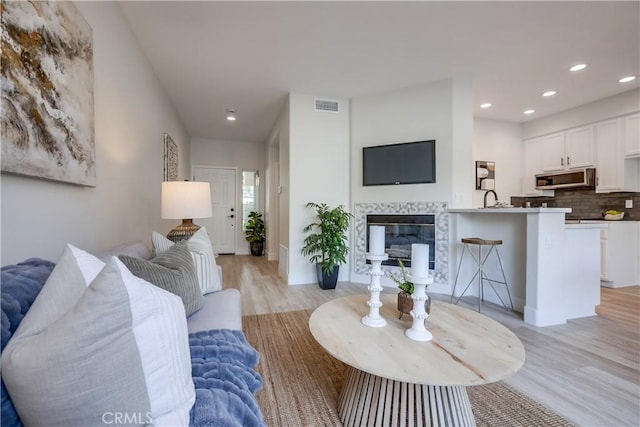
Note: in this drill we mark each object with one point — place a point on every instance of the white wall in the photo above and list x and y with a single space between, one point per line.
131 115
234 154
272 180
277 191
500 142
602 109
319 172
463 166
411 114
442 111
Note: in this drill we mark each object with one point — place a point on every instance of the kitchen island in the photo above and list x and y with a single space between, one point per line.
552 268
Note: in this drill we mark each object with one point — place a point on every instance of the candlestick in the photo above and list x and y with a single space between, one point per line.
419 260
418 331
420 278
376 239
374 319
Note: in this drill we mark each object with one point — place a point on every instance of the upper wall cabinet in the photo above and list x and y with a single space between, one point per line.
531 166
609 156
567 150
552 152
614 172
579 147
631 132
532 151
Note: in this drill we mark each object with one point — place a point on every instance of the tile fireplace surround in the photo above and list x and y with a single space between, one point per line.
439 209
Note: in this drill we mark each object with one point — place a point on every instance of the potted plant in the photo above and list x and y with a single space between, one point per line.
254 232
326 244
405 302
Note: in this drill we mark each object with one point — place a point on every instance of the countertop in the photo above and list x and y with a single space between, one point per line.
569 223
510 210
587 224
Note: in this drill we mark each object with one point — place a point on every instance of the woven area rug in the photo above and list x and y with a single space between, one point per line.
302 382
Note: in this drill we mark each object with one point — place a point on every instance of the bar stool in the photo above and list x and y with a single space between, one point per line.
482 277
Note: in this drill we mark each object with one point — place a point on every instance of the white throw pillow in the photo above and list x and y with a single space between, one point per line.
69 279
203 257
121 352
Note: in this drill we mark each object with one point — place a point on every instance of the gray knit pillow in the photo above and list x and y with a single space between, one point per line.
173 271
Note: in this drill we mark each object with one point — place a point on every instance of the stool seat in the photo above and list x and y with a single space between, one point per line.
479 241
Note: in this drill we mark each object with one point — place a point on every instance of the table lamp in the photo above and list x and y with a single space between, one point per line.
185 200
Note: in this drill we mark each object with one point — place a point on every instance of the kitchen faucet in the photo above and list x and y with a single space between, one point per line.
495 196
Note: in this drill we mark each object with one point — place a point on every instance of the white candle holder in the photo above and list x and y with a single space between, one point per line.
373 319
418 331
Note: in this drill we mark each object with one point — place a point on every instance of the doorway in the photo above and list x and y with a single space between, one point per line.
221 227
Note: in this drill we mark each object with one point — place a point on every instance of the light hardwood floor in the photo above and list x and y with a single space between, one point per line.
587 370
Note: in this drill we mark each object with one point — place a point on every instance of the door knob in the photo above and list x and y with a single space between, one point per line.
230 216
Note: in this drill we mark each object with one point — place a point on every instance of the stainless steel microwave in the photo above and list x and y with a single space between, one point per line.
575 178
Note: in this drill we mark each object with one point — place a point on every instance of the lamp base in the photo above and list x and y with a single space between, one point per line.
184 231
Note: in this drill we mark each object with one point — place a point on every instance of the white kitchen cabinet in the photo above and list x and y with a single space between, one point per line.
532 151
579 147
568 150
631 135
552 152
620 254
531 167
608 156
614 172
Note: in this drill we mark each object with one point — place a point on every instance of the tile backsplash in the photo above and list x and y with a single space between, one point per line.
586 203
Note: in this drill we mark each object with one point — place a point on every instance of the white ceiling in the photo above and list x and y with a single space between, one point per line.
210 56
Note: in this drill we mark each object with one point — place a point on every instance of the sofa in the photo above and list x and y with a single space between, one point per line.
222 363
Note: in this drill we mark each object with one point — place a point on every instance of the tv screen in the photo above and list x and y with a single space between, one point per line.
406 163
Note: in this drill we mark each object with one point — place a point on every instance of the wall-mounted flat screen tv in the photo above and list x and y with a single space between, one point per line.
395 164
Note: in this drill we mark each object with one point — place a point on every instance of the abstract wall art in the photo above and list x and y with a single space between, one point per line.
47 92
485 175
170 159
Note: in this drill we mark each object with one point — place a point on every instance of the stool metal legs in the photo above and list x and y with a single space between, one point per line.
504 279
482 277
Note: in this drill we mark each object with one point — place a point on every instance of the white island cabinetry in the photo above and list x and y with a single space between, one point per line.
553 269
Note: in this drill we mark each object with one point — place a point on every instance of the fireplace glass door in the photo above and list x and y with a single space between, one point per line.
403 230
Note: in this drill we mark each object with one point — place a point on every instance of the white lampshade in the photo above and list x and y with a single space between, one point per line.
186 199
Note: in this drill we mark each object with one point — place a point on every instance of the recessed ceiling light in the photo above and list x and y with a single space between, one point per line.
578 67
485 105
549 93
231 114
627 79
529 111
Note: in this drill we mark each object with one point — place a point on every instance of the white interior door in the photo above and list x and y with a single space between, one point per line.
222 225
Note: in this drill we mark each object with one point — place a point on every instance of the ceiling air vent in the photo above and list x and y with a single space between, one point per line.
330 106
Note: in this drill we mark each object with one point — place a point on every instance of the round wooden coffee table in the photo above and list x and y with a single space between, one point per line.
395 381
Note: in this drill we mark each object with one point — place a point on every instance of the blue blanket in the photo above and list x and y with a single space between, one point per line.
21 284
222 365
222 361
